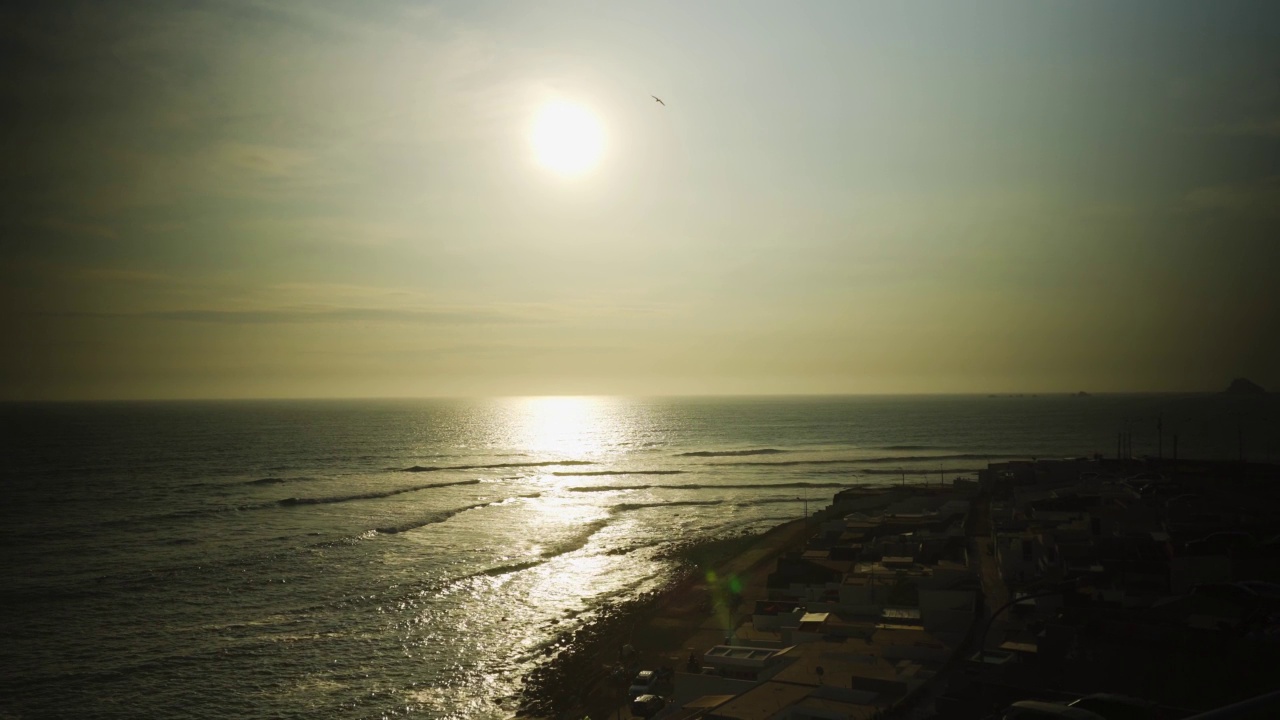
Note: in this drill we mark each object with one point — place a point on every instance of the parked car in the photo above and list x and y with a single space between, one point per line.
644 683
1118 707
646 706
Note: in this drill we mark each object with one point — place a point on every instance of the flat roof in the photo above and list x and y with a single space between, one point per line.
852 711
838 662
881 579
1021 647
907 636
775 607
742 653
709 701
901 613
762 702
879 568
992 657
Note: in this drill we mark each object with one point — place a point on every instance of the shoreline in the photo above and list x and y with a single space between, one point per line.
590 678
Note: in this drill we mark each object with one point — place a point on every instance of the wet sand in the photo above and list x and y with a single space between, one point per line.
718 589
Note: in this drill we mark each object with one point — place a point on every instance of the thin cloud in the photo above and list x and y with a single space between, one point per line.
336 315
1252 127
101 232
1260 198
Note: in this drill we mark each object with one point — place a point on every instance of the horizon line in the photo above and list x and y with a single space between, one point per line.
637 396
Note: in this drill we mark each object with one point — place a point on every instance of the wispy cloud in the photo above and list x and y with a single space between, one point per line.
326 229
1265 127
144 295
337 315
101 232
1260 198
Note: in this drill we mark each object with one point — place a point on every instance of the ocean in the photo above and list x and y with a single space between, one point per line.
417 558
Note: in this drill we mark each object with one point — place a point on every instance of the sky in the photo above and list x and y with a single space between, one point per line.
333 199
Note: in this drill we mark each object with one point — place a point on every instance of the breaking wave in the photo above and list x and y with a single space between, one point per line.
703 486
884 459
279 480
628 507
587 473
916 471
444 515
768 501
288 502
731 453
493 466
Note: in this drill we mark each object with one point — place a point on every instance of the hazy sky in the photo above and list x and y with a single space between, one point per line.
301 198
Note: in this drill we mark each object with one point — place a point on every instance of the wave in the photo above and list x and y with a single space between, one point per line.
279 480
702 486
578 542
771 501
916 471
879 460
952 456
249 507
442 584
430 520
628 507
587 473
634 547
505 569
731 453
289 502
444 515
564 548
148 578
493 466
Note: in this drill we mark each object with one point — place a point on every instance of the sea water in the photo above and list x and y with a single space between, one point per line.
417 558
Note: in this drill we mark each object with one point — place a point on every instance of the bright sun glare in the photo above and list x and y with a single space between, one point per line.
567 138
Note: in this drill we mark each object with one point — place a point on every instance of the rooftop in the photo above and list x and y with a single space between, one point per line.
762 702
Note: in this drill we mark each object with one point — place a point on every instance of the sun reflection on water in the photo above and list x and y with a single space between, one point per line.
567 427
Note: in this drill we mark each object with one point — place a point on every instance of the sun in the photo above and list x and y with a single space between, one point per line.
567 138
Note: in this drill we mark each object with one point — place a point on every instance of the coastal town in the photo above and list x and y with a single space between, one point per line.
1078 588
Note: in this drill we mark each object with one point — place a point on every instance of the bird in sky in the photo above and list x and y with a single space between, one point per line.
659 100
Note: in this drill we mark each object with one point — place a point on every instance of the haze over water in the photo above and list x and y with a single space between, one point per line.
255 559
315 198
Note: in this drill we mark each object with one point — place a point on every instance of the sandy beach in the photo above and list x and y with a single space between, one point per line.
723 580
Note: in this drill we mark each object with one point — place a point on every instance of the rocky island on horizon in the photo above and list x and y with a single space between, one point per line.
1244 386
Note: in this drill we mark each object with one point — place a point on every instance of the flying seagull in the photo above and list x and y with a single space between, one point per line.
659 100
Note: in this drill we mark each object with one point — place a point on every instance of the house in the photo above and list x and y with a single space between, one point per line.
744 662
789 701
